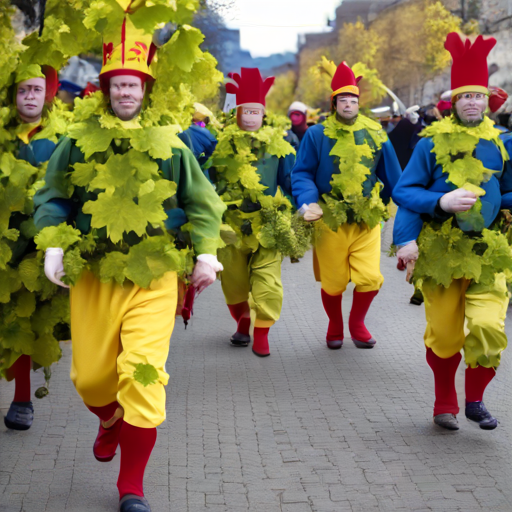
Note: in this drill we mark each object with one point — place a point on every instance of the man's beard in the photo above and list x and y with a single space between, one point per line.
470 124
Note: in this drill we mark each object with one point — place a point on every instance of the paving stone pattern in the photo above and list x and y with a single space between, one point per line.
307 429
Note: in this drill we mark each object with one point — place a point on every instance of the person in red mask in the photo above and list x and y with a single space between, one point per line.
298 114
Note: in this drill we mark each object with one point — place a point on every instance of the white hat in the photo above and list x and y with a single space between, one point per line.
298 106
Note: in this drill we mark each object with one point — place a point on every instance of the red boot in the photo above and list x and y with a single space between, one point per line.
260 346
360 305
242 314
332 306
107 440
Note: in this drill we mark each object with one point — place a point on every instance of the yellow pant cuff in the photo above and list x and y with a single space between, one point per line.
263 323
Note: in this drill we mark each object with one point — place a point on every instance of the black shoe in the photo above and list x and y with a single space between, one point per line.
240 340
134 503
476 411
334 344
20 416
447 420
364 344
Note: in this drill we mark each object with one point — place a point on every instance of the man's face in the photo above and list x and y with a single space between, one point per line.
249 119
297 118
471 106
30 99
347 106
126 95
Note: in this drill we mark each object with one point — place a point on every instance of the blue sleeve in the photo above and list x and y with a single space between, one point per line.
506 178
284 175
388 169
407 226
304 188
411 190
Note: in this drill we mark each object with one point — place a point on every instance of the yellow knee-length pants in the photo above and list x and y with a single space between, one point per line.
484 307
255 273
114 328
350 254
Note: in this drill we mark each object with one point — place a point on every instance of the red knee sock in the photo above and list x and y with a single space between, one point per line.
104 413
332 306
136 447
242 314
260 345
360 305
21 372
444 379
477 380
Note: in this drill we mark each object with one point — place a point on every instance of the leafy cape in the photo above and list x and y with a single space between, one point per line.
446 252
346 201
257 219
33 313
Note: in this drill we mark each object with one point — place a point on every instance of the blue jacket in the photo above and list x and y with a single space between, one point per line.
200 141
36 152
423 183
314 167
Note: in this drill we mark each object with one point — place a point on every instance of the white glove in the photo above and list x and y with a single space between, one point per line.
412 114
212 260
460 200
54 265
311 212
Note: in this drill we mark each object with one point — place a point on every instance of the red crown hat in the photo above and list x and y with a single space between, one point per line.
344 81
469 68
497 97
249 87
52 83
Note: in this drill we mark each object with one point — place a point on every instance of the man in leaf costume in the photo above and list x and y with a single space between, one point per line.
32 313
449 198
25 301
117 188
344 174
251 167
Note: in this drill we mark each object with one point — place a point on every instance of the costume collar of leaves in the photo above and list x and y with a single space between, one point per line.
95 127
348 184
454 146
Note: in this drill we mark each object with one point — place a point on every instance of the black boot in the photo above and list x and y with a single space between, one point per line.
134 503
476 411
20 416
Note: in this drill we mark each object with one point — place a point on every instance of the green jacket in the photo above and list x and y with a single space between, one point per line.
195 202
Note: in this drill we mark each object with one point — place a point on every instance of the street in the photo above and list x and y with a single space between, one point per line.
306 429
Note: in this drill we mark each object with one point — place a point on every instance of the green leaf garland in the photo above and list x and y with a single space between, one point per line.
346 201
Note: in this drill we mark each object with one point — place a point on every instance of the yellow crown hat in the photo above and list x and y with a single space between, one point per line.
126 50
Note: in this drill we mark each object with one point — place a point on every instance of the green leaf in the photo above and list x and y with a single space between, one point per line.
145 374
157 141
83 174
46 350
9 283
25 304
63 236
74 264
18 336
184 46
112 267
118 214
151 259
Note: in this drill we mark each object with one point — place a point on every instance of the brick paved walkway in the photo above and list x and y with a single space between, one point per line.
306 429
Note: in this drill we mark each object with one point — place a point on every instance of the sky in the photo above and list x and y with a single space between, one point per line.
272 26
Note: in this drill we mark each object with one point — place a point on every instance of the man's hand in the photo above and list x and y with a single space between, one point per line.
407 256
54 265
460 200
202 276
313 212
